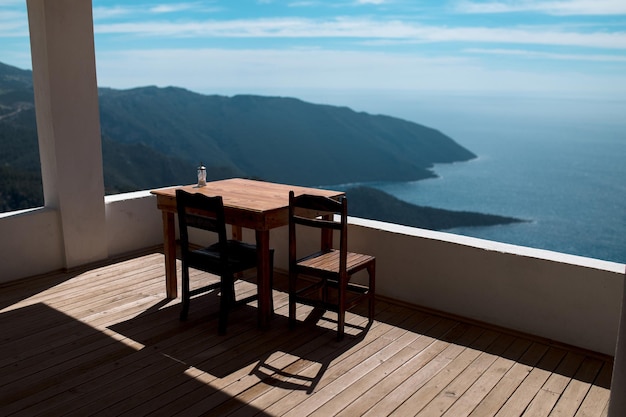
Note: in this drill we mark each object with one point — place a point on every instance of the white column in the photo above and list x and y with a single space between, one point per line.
617 404
68 124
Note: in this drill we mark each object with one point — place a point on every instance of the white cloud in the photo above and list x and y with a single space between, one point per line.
12 3
215 68
540 36
303 3
369 29
13 23
572 7
547 55
376 2
210 70
139 12
170 8
199 7
110 12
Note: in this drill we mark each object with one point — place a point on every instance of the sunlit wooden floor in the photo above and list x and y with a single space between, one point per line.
104 341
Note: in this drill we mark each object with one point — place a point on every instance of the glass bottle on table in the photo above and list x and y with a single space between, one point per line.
201 175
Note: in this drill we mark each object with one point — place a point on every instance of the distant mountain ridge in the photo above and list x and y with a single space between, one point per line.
154 137
274 138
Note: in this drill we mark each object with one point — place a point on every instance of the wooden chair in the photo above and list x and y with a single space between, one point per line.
322 278
224 258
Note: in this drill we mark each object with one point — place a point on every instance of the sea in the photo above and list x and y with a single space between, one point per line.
558 162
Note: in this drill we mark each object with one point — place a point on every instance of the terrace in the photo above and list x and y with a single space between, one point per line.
103 340
463 326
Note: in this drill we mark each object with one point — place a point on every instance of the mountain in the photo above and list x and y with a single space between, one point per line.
154 137
370 203
14 79
274 138
20 182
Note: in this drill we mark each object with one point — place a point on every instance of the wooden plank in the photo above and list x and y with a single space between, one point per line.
488 380
282 372
71 292
577 389
456 389
379 331
597 400
338 355
453 344
387 367
452 367
366 362
549 394
173 406
493 402
193 339
528 388
274 394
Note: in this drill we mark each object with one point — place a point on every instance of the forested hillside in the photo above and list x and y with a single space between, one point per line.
154 137
273 138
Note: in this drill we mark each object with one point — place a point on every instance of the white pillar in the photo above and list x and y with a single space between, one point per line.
617 404
68 124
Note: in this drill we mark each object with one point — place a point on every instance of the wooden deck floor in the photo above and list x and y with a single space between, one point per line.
105 342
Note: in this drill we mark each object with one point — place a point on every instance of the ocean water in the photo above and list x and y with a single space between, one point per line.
559 163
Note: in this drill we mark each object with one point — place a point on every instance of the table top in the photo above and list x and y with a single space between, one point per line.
261 205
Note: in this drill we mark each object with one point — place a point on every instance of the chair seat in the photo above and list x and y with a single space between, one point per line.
329 261
241 256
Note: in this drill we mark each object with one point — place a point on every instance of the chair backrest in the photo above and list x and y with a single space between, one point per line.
319 212
200 211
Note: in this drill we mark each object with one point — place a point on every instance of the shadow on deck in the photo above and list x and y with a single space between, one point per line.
104 341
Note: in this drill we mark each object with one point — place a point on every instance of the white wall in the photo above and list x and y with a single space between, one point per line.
133 222
30 243
567 298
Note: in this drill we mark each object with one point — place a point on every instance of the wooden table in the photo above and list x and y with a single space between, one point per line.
257 205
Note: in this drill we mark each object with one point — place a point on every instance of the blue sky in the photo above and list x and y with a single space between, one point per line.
287 46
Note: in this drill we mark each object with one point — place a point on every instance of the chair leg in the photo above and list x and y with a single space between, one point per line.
341 320
185 293
371 269
272 283
227 300
341 311
292 300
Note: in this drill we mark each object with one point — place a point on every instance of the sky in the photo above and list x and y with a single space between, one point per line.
289 46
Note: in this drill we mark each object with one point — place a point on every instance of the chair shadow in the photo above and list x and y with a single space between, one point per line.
288 359
309 365
94 373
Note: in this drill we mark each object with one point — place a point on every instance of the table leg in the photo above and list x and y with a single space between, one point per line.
326 242
169 250
236 232
266 302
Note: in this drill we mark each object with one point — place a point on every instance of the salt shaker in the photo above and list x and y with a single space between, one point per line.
201 175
